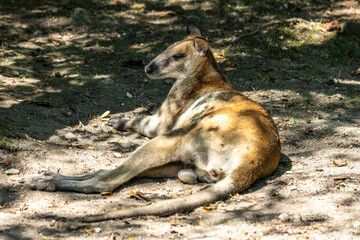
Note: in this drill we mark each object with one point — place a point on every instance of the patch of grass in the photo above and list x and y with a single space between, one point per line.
8 143
5 128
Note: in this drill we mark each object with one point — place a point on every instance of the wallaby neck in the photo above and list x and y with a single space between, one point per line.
206 76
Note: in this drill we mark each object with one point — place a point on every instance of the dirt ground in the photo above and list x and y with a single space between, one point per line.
64 63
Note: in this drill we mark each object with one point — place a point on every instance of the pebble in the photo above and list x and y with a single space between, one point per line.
108 81
70 136
37 33
15 73
284 217
55 139
351 131
129 95
12 171
97 229
297 219
117 155
57 74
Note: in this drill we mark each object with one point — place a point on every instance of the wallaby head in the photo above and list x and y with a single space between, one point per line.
180 59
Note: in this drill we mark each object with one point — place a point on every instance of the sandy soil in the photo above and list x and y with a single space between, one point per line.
64 64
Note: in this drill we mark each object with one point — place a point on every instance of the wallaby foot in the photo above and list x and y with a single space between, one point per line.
50 181
118 122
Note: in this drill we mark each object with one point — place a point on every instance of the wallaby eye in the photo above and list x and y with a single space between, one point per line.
178 56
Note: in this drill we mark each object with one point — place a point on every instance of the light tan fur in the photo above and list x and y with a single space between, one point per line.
204 123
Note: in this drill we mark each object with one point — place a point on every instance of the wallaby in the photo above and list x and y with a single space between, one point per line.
204 124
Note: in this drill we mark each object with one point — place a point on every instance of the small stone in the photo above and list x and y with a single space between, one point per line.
250 216
70 136
37 33
117 155
12 171
55 139
73 227
57 74
297 219
108 81
129 95
97 229
284 217
351 132
339 162
15 73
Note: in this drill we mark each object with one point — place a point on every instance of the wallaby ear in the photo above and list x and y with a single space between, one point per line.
192 30
201 45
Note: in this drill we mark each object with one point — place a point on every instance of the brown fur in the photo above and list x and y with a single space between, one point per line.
204 123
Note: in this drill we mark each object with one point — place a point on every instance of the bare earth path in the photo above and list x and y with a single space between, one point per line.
62 65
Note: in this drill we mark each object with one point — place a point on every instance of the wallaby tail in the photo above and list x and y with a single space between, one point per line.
216 192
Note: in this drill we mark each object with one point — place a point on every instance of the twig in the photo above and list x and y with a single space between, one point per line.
265 25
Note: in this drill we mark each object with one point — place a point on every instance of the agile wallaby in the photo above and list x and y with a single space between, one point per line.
228 139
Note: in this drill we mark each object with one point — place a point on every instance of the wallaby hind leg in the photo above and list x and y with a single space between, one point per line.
169 170
156 153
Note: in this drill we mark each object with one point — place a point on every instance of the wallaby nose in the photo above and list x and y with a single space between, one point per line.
149 69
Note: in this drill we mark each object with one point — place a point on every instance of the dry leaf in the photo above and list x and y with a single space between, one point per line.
131 238
331 25
7 161
162 14
56 42
201 223
105 115
230 63
73 227
106 193
218 56
339 162
357 72
229 69
286 119
223 52
279 105
23 207
308 131
209 208
89 230
91 148
138 196
341 178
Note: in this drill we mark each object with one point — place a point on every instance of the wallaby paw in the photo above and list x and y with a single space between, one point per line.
117 122
38 177
40 182
45 186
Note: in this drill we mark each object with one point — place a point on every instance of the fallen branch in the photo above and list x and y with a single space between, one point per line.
265 25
